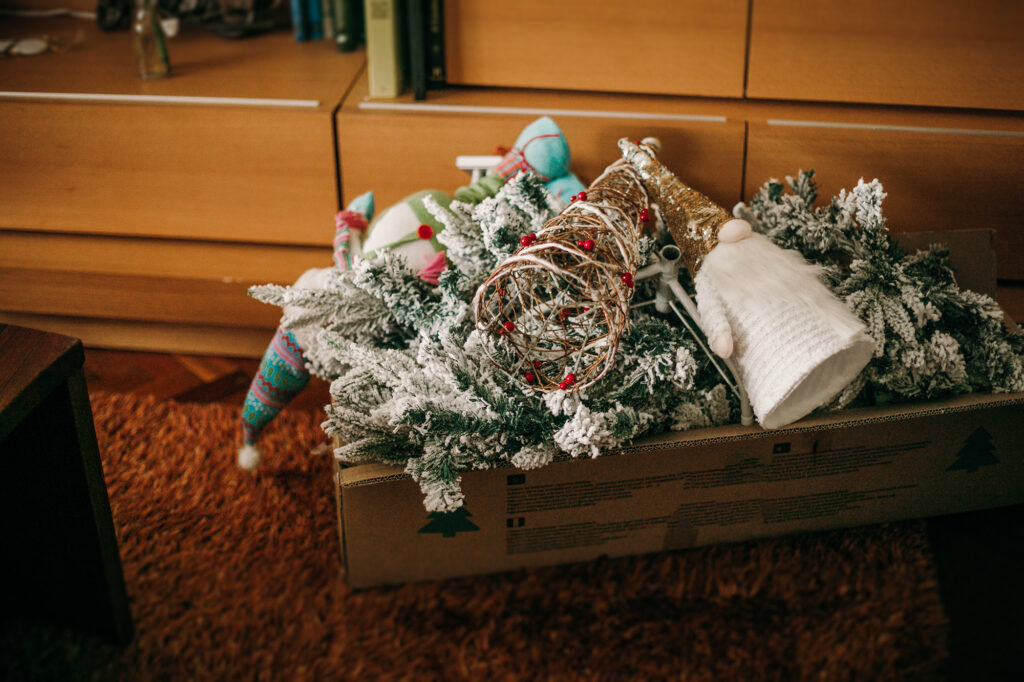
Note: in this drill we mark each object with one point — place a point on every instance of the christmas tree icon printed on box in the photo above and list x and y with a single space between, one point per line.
976 452
450 523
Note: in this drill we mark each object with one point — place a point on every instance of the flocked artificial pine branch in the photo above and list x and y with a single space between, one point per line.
413 384
932 339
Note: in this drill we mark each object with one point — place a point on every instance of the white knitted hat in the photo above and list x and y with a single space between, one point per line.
796 345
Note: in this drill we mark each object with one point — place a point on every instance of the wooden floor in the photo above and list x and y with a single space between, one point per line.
185 378
979 556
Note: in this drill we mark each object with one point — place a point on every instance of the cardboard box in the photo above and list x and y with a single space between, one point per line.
692 488
685 489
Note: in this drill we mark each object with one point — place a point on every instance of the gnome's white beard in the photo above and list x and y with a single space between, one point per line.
795 344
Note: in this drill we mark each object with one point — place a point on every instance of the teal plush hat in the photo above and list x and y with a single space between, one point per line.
542 149
407 228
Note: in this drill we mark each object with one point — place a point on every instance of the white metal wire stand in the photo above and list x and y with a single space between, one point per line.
670 296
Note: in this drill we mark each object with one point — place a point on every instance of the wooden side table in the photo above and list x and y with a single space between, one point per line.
60 561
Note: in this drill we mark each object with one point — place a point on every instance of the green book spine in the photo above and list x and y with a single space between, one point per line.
417 34
385 47
436 77
327 12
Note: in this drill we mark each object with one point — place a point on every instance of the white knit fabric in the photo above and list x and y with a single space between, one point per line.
796 346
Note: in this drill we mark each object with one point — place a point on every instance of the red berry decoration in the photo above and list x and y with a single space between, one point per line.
565 313
424 231
563 385
509 326
530 377
587 244
501 292
582 196
645 215
524 240
537 364
570 378
627 279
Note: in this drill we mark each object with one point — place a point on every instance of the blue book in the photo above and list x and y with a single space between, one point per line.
300 23
315 17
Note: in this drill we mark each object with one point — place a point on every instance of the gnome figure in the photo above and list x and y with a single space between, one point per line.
795 345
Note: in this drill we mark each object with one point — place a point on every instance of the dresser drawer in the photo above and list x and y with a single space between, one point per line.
146 293
260 175
935 179
687 47
917 52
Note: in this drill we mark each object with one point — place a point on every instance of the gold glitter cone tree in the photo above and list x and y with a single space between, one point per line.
693 220
560 304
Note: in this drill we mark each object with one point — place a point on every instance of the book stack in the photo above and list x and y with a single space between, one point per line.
404 39
404 46
340 21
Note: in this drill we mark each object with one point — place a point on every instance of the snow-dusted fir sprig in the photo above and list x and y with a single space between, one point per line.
522 207
932 339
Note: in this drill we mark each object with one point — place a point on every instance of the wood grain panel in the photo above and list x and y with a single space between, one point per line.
242 342
202 173
129 297
397 152
226 261
920 52
934 180
687 47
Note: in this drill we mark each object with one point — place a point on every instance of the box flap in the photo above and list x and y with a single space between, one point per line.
971 253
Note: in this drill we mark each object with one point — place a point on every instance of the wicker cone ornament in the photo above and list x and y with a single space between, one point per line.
795 345
560 304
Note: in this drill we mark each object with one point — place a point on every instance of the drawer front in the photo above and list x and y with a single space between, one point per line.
153 294
934 179
687 47
168 258
163 337
918 52
422 146
260 175
133 297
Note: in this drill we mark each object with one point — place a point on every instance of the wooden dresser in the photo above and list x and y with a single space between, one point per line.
927 96
136 215
139 223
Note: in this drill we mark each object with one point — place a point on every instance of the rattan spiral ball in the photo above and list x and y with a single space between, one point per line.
560 304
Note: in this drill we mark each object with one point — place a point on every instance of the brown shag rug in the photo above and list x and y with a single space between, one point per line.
236 576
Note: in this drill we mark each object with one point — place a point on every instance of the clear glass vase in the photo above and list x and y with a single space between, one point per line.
150 42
